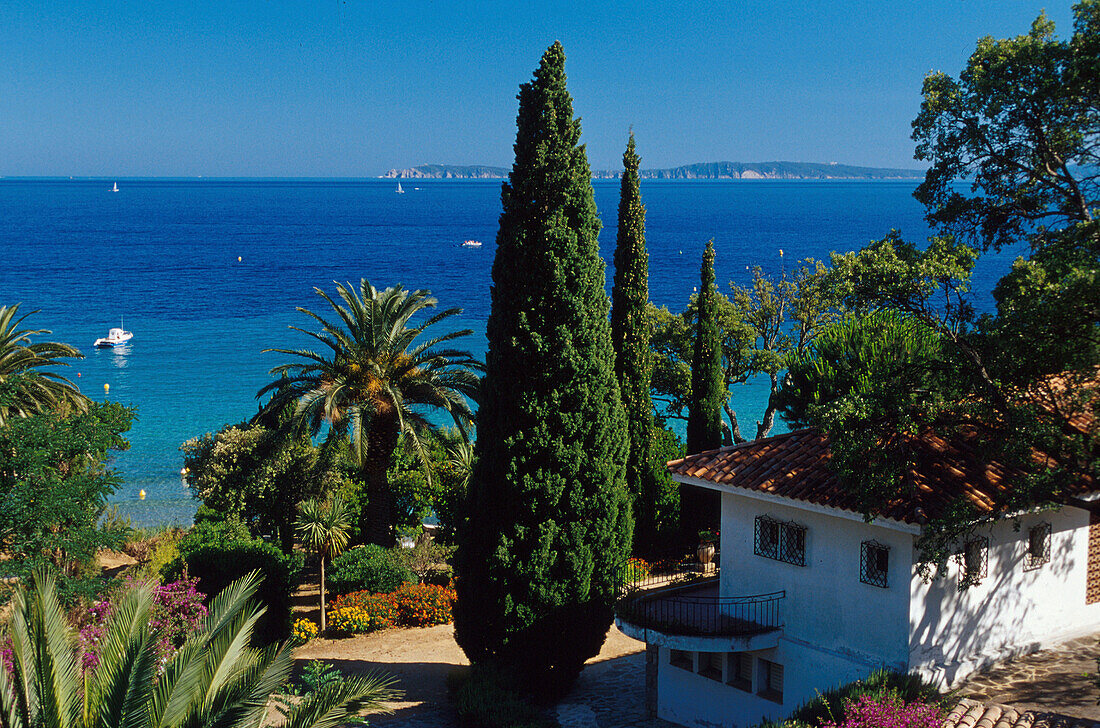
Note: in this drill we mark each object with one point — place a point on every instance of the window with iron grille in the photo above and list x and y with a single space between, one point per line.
780 540
974 559
874 563
1038 546
740 671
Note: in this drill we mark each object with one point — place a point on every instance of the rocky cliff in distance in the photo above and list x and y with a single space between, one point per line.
704 170
448 171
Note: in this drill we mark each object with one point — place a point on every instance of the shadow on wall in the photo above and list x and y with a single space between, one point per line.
1013 610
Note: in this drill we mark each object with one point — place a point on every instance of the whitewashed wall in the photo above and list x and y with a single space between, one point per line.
827 606
1012 611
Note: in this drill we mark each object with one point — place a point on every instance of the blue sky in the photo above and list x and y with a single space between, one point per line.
352 88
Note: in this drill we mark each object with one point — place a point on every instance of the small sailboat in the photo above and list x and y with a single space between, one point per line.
115 188
114 337
399 190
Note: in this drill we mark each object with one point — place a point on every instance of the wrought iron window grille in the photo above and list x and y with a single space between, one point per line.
780 540
1038 546
874 563
974 561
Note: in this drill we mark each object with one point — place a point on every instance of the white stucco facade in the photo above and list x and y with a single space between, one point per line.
836 628
1014 609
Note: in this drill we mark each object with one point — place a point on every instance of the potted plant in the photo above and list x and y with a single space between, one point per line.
708 540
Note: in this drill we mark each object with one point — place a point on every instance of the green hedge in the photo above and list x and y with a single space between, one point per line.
217 555
367 568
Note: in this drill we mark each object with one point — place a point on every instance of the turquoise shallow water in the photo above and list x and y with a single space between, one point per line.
164 255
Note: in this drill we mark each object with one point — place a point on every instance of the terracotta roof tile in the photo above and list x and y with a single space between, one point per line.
969 713
796 465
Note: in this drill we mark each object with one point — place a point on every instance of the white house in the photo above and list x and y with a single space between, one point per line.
808 595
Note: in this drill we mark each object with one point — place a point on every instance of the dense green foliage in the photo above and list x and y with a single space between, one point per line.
1022 126
219 553
700 508
214 679
630 337
27 384
256 474
375 383
704 425
484 698
760 325
548 511
368 568
54 484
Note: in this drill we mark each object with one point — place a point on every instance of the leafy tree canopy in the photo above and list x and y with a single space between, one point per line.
54 484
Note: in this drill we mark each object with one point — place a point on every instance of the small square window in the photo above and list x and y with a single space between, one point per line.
740 671
710 665
767 537
681 659
974 559
771 681
780 540
1038 546
874 563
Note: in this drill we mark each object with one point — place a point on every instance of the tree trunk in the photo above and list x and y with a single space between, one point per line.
322 595
376 520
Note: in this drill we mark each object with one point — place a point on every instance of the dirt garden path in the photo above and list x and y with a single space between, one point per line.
609 693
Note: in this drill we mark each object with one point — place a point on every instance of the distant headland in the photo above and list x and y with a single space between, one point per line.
703 170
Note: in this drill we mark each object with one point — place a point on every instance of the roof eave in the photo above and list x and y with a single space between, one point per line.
910 528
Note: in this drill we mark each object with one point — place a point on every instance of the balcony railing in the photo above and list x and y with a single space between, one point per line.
679 595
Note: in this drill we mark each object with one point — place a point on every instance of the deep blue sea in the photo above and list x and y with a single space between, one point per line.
164 255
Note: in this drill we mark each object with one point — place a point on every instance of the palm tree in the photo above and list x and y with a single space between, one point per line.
323 527
215 679
25 388
376 385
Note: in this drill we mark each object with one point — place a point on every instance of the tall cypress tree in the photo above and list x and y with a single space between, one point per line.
548 512
698 507
630 337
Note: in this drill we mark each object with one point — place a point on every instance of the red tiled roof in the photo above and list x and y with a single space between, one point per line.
972 714
796 465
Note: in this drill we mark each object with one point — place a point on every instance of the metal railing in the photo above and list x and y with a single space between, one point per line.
678 595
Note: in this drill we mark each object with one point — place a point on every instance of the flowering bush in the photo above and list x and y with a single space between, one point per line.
412 605
362 611
422 605
303 630
177 611
887 711
709 535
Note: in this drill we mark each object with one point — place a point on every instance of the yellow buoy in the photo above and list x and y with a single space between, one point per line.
141 494
238 259
106 388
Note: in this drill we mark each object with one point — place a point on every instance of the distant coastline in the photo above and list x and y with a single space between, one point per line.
703 170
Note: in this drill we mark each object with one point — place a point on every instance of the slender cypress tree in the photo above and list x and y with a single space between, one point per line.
699 508
630 337
548 512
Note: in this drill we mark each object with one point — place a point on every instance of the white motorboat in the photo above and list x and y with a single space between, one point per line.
471 243
114 337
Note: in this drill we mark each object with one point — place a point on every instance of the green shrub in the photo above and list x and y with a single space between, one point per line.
217 556
483 698
367 568
829 706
